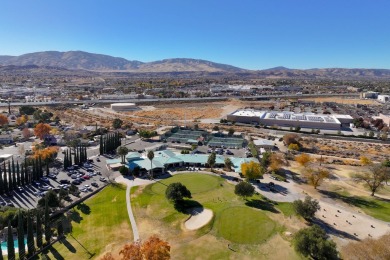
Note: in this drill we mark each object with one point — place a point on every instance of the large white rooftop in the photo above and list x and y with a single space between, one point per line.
249 112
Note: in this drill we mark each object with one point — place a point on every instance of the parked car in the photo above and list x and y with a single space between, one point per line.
94 184
64 181
76 182
52 176
98 159
45 179
86 177
102 179
74 176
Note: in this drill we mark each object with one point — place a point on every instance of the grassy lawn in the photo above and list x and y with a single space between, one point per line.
373 206
286 208
99 225
244 225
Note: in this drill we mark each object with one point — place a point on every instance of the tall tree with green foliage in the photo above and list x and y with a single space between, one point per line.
60 228
30 235
101 145
313 242
244 189
150 157
1 182
1 254
47 223
10 242
122 152
211 160
39 229
18 176
21 246
307 208
5 179
14 180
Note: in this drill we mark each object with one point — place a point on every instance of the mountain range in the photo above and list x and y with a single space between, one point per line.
89 62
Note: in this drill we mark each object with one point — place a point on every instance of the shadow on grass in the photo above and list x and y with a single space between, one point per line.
332 230
68 245
74 215
262 204
84 208
354 200
56 254
184 206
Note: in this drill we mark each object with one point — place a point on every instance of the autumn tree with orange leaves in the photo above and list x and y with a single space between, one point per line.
22 120
3 120
41 130
153 248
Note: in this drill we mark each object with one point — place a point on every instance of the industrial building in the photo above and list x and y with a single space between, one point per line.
290 119
369 94
124 107
383 98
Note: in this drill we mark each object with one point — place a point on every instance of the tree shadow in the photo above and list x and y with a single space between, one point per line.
354 200
68 245
262 204
74 215
55 253
331 230
84 208
185 206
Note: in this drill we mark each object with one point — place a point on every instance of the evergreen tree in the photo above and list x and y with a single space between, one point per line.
60 228
47 223
14 180
5 179
70 157
21 246
10 242
101 145
30 235
10 183
39 230
18 176
40 167
1 182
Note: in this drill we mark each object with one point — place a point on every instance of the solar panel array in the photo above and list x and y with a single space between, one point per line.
286 116
273 115
299 117
315 118
329 119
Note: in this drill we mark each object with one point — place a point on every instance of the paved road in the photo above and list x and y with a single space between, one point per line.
173 99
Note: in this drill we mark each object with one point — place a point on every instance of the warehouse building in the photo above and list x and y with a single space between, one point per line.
124 107
291 119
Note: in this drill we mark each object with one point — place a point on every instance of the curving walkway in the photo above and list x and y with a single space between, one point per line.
129 185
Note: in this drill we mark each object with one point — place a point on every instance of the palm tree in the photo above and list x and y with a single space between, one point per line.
122 151
150 157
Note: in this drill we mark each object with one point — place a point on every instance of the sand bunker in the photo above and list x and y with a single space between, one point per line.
199 218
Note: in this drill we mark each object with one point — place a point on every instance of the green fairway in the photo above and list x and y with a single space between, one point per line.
286 208
244 225
196 183
101 223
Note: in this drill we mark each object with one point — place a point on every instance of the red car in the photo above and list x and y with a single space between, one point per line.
86 177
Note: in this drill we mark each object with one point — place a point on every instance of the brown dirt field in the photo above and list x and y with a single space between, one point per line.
344 100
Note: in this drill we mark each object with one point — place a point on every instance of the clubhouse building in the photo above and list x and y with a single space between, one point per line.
166 160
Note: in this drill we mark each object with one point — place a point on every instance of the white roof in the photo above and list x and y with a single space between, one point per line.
122 104
5 156
248 112
259 142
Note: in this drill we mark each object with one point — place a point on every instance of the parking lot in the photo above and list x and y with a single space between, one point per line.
28 196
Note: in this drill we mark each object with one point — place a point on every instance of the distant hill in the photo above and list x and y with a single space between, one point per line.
83 63
98 62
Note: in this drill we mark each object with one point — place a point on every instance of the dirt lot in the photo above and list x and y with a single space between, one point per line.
345 100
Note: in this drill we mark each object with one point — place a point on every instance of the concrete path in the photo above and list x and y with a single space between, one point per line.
129 184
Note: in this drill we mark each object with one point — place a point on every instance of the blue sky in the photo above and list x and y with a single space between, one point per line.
252 34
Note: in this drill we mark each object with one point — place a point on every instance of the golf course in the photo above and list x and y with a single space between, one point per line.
240 228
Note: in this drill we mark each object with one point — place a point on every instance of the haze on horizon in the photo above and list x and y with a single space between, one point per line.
251 35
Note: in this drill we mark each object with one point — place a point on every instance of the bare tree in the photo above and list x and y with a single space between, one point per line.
374 178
